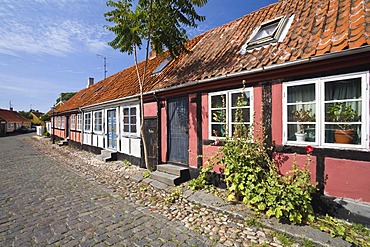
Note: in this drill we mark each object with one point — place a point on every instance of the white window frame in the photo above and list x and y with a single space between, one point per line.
228 108
95 119
137 132
87 122
79 121
320 111
73 121
62 122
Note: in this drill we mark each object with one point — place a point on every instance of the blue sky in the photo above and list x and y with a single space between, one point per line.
51 46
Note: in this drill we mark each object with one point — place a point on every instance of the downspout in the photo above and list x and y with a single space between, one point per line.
82 126
53 133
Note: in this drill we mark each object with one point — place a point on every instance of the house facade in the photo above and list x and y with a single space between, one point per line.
11 121
300 68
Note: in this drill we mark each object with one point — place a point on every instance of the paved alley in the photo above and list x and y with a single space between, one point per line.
43 203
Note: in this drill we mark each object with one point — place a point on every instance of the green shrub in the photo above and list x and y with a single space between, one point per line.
252 176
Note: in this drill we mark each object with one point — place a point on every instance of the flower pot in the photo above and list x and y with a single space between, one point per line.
344 136
301 137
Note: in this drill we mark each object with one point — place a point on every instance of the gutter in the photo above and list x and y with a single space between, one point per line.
267 68
131 98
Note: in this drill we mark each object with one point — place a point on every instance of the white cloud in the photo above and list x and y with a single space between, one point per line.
46 27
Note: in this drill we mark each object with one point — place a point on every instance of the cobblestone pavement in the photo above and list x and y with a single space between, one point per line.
43 203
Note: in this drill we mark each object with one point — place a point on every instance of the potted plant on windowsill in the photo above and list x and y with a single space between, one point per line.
302 116
340 113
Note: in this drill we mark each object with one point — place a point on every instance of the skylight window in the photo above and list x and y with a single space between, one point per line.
96 90
268 32
162 65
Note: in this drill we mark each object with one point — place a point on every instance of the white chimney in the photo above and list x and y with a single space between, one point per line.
90 82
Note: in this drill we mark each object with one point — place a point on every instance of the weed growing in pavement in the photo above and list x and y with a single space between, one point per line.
143 189
201 181
308 243
127 163
356 234
174 196
146 174
284 239
253 222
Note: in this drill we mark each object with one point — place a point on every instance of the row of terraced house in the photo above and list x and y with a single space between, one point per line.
297 64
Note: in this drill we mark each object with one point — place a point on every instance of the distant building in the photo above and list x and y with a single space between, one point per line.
36 118
11 121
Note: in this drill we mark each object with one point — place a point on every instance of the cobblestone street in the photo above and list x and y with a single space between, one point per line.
45 203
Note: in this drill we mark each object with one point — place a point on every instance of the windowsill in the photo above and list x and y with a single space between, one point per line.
352 147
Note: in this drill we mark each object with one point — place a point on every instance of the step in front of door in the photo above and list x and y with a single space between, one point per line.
166 178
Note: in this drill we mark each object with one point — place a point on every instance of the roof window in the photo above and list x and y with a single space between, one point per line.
268 32
96 90
165 62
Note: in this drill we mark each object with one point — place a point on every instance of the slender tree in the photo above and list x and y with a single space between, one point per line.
161 23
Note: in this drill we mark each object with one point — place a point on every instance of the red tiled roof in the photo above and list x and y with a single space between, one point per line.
318 27
122 84
13 116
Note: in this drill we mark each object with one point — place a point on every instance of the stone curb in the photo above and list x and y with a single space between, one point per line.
239 211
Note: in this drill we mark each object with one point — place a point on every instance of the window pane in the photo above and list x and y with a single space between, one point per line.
125 111
239 129
302 133
240 115
133 120
133 128
126 128
266 30
126 120
219 116
344 89
240 99
218 101
351 135
301 113
133 110
302 93
218 130
343 112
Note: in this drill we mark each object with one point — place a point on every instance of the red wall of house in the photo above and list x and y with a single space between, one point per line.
60 133
150 109
164 133
193 140
277 113
284 163
205 116
347 178
75 136
257 94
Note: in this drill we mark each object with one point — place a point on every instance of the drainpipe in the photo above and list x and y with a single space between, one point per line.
53 132
82 126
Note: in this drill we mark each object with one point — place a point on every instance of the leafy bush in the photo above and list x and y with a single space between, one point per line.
252 176
201 181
